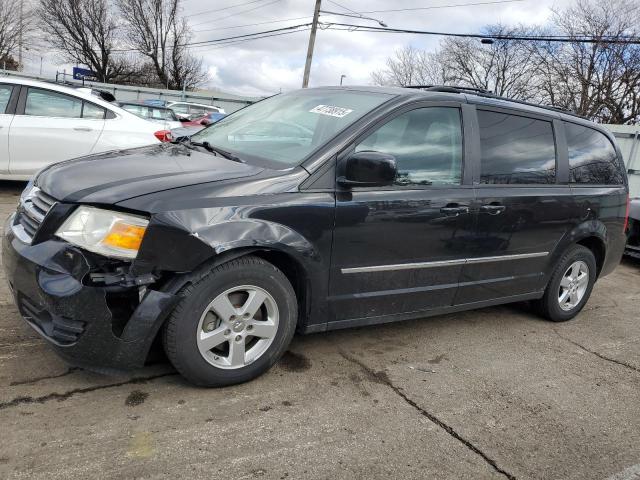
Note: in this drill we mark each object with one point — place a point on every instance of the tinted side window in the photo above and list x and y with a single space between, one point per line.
5 95
46 103
92 112
427 144
515 149
592 158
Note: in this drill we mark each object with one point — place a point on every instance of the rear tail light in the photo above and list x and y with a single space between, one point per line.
164 135
626 215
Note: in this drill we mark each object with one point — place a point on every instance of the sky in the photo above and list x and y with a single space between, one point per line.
270 65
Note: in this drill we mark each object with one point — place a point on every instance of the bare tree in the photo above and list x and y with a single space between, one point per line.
155 30
501 67
410 66
599 80
186 71
85 32
10 26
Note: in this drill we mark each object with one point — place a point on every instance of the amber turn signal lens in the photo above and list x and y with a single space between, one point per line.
123 235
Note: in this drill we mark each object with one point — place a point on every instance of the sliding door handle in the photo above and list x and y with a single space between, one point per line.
83 129
454 211
493 209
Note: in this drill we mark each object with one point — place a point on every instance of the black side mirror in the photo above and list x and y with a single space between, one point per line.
368 169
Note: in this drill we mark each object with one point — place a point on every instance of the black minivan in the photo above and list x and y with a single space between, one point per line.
310 211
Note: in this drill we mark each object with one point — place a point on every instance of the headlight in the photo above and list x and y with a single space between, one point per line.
108 233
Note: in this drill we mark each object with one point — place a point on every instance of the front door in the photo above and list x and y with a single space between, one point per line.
50 127
400 249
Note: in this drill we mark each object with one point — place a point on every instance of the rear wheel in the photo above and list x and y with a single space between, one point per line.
570 285
233 324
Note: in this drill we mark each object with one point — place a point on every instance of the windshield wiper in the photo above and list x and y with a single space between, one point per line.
219 151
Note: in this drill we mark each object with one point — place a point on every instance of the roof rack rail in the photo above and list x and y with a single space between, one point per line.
449 88
480 92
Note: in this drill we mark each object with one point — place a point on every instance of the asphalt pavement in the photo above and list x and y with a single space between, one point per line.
493 393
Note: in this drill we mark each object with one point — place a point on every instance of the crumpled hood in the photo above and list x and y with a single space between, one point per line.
112 177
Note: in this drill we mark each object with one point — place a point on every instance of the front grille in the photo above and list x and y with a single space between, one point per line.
62 330
33 208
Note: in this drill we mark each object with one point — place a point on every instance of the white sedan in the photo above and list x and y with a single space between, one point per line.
43 123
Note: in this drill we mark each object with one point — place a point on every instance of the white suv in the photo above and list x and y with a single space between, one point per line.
193 110
43 123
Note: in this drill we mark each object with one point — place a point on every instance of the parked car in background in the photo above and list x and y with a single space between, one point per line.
212 118
193 110
205 120
315 210
43 123
155 102
161 115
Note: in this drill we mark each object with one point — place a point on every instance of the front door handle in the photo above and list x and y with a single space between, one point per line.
493 209
83 129
454 211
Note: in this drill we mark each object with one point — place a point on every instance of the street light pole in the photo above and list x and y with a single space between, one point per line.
342 77
312 41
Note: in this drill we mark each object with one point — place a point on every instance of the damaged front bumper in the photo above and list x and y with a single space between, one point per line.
90 325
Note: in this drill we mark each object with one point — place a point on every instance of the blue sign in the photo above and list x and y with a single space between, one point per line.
83 74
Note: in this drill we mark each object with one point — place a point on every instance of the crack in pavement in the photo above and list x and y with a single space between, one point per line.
382 378
39 379
599 355
70 393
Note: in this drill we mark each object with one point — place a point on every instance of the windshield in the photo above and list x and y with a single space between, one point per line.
283 130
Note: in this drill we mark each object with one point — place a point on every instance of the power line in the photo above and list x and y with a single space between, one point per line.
218 40
235 42
434 7
292 27
252 24
237 13
343 7
535 38
222 9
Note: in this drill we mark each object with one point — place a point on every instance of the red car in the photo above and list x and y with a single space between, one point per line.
208 119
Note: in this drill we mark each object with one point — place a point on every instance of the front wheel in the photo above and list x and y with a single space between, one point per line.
570 285
233 324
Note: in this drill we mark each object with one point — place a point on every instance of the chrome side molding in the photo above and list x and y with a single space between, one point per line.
442 263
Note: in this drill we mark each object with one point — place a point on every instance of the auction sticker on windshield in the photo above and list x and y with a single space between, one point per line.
331 111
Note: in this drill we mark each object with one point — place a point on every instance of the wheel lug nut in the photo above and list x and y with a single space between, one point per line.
249 327
238 338
246 315
227 331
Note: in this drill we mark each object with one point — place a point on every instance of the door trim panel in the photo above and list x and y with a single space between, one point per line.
442 263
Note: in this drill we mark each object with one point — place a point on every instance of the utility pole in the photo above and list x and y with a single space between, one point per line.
312 41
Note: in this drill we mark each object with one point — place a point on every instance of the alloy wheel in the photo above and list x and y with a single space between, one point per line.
237 327
573 285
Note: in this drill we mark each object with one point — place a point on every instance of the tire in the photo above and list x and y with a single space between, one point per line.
549 306
243 282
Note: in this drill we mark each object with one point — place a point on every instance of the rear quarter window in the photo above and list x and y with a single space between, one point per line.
592 157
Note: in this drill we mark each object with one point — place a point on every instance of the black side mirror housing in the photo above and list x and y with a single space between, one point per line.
368 169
